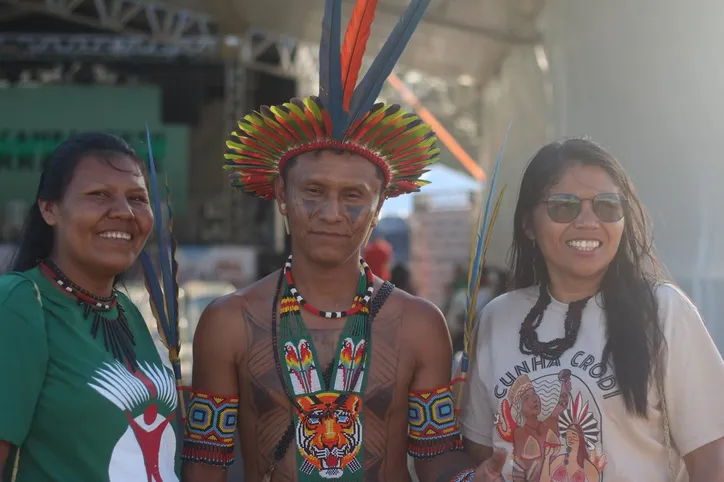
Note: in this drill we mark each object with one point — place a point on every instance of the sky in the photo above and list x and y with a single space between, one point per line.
445 181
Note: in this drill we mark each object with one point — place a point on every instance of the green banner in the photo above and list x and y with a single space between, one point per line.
33 121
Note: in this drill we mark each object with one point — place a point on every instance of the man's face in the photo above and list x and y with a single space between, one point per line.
331 200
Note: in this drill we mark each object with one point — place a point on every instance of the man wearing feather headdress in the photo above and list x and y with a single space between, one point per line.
365 384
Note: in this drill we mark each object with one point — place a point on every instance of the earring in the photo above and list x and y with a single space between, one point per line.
282 209
534 244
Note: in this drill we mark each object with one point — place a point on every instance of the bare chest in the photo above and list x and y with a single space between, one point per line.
384 397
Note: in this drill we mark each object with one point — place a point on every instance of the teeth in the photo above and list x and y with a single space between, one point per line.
116 235
584 245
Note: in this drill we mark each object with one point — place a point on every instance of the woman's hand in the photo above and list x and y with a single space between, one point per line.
491 470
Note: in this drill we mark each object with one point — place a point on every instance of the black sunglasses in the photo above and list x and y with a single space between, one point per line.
564 208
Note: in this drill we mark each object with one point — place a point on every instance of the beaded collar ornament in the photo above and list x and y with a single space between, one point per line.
117 336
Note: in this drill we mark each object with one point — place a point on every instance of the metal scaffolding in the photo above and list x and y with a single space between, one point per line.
455 102
155 20
145 30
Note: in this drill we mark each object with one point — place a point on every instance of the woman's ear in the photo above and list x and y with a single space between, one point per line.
49 211
528 227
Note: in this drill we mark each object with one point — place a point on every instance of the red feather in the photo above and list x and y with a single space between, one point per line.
354 45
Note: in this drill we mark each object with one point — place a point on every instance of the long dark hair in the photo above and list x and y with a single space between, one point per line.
37 239
634 336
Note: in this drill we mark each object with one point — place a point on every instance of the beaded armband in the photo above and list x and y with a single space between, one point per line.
433 425
210 427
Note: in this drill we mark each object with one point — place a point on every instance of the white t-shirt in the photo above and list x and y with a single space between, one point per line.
538 410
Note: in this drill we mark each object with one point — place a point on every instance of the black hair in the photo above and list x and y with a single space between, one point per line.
634 336
37 238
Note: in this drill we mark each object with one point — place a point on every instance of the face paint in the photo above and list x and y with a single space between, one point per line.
310 206
353 211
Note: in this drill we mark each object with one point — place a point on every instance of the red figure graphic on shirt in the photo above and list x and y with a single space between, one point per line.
146 450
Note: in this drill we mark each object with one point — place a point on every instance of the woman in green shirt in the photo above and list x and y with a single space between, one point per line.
85 394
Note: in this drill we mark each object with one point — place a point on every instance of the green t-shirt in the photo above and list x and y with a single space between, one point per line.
76 412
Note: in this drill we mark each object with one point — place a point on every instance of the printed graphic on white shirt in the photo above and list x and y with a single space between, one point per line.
553 423
146 451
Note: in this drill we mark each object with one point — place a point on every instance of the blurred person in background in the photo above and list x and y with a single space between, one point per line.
502 284
455 314
595 367
458 282
378 254
334 375
85 394
401 278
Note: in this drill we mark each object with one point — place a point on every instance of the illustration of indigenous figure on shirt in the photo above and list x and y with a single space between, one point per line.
544 426
148 398
578 461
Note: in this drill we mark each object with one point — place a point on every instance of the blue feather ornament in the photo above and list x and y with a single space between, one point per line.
163 294
330 67
365 95
481 239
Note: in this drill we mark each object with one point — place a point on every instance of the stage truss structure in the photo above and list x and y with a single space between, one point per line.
157 31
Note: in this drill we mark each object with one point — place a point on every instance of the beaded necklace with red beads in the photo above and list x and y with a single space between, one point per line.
340 386
117 336
357 304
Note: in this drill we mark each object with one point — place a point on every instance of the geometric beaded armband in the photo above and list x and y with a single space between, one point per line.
210 427
433 426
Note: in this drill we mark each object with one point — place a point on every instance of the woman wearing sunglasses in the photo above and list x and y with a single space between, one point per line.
593 368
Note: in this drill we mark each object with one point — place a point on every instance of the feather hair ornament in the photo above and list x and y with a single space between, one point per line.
344 116
163 294
481 239
355 45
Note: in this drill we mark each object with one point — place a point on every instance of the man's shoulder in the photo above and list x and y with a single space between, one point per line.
422 321
416 308
228 314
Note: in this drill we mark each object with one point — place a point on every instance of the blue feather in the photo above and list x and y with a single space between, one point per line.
164 250
495 179
174 264
154 287
370 87
330 67
482 229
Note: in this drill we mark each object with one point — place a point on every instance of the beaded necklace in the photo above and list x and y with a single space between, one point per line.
360 300
550 350
333 398
117 336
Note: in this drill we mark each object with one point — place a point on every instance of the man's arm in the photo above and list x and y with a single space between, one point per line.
706 463
219 345
427 334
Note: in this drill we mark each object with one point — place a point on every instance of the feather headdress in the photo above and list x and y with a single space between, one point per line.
481 239
163 294
344 115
